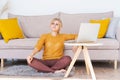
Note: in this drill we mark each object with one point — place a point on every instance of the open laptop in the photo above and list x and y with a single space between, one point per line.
88 32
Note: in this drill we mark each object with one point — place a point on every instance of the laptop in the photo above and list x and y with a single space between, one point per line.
88 32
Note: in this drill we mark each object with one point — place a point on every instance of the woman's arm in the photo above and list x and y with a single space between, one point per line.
34 52
37 48
70 36
30 57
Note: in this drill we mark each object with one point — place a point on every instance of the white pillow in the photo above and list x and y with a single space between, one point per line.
112 28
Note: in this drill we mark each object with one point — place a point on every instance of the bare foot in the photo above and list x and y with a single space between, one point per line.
60 71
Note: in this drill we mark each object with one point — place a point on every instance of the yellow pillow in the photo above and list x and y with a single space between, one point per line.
103 26
10 29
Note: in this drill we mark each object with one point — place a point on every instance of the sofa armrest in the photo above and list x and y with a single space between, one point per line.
118 34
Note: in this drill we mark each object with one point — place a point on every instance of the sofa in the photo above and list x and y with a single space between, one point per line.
36 25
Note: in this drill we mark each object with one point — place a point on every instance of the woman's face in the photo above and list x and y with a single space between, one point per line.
55 26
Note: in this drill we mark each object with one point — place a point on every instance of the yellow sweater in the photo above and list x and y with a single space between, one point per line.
53 45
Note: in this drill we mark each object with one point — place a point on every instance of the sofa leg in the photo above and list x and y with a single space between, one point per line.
115 64
2 63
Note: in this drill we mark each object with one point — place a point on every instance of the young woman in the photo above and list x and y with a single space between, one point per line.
53 43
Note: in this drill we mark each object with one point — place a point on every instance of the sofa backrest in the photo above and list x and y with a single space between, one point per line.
34 26
71 22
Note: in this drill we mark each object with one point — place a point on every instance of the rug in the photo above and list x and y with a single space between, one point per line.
25 70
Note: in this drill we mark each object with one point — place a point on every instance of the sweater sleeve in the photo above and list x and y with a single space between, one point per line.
40 43
70 36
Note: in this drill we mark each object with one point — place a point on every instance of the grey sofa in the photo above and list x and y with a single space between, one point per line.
34 26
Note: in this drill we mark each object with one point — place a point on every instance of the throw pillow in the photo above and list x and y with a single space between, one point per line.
112 27
103 26
10 29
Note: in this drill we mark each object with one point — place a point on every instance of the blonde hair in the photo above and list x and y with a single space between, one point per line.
57 19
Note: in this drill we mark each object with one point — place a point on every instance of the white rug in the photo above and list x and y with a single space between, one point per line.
25 70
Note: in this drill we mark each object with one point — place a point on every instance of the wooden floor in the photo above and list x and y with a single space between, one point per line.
103 70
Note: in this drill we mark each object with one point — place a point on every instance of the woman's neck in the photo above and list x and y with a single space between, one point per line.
55 33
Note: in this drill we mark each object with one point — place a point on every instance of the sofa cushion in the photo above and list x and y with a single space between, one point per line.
26 43
34 26
71 22
29 43
107 44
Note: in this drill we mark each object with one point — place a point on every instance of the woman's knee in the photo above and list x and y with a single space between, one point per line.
67 58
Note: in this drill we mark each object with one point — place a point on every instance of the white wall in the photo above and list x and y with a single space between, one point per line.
37 7
3 9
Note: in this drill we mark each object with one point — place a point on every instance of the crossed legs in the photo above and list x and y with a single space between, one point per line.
50 65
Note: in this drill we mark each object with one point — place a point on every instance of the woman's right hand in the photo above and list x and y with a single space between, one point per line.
29 59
